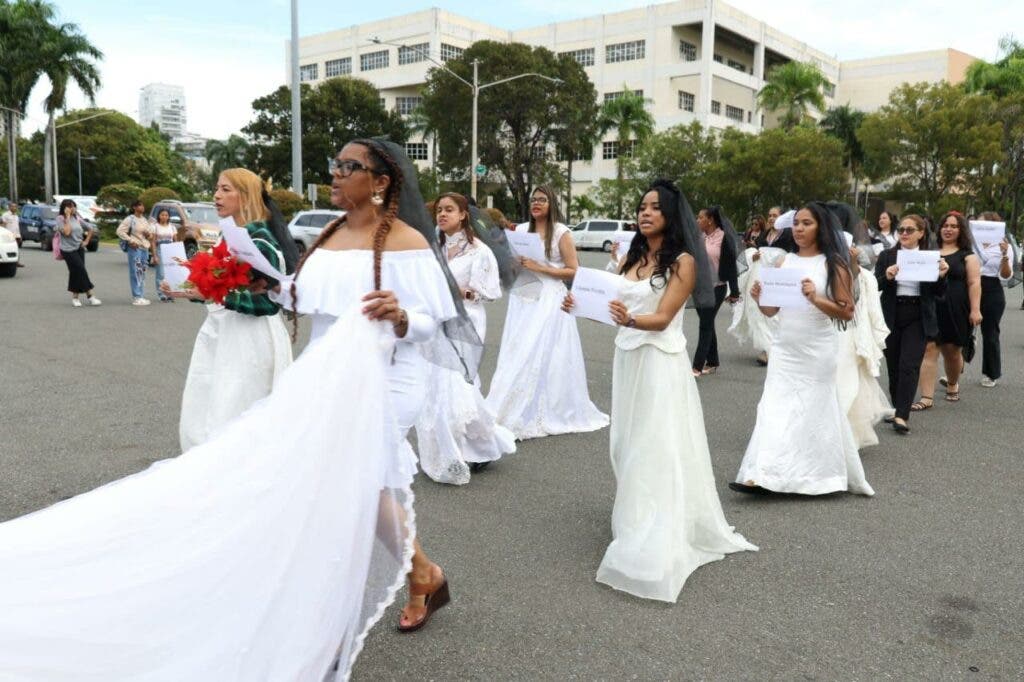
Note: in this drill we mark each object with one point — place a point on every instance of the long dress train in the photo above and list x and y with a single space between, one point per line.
667 520
539 387
802 440
749 324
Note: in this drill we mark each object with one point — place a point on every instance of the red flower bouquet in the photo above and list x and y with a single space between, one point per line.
216 273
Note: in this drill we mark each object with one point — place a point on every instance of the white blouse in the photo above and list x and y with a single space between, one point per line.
991 257
475 269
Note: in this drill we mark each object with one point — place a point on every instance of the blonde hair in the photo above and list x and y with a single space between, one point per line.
250 190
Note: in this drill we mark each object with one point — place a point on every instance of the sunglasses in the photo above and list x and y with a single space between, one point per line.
347 167
907 230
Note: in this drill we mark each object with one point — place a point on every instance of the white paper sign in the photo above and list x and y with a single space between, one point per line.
241 245
526 244
175 275
988 231
917 265
623 239
592 291
781 288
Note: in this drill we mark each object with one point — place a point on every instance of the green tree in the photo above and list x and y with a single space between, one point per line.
683 154
579 130
124 151
118 196
334 113
932 140
793 88
843 123
1004 81
626 114
775 167
229 153
420 124
152 196
288 201
519 122
65 56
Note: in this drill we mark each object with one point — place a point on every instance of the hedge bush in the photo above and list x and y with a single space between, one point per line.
153 195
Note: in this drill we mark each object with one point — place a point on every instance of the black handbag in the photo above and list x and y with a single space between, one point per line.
969 349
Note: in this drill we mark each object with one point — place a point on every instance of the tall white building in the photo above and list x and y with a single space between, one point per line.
164 105
693 60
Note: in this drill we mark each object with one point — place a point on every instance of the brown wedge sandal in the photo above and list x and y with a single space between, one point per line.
435 595
953 393
920 406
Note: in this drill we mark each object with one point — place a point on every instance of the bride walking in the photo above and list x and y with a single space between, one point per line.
539 387
267 552
456 432
802 441
667 520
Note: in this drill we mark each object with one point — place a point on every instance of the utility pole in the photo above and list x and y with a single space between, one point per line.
296 105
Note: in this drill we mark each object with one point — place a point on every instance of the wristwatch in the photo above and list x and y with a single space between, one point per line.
631 322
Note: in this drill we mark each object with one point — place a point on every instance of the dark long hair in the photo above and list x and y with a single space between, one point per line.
381 164
832 244
554 216
672 205
963 237
64 204
279 228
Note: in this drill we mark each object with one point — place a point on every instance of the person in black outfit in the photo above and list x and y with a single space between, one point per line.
996 270
958 312
909 310
722 246
755 233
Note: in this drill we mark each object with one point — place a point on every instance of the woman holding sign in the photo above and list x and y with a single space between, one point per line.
996 270
539 387
243 345
667 520
802 441
908 303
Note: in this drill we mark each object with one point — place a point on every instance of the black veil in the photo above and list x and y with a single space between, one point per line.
679 214
457 346
285 242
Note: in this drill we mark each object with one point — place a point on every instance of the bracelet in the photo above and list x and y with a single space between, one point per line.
403 319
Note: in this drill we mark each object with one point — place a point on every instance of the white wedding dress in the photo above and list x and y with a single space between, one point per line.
266 553
539 387
802 441
861 352
749 324
456 427
667 520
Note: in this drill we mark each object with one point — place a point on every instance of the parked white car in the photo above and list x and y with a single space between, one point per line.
9 254
597 233
306 226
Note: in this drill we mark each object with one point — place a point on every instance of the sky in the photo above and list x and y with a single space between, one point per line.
226 53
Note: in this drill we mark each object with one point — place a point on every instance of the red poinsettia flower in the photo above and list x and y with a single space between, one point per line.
216 273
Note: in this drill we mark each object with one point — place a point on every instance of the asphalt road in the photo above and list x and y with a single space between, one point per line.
922 581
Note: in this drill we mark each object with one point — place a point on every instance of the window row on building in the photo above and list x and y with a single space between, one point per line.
380 59
612 96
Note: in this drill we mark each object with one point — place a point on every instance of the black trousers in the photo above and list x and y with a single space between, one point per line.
993 304
904 351
707 341
78 278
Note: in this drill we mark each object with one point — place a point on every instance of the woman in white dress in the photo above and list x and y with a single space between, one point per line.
667 520
802 440
267 552
242 347
456 432
749 324
539 387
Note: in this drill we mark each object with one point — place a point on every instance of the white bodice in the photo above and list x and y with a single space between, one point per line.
475 268
640 299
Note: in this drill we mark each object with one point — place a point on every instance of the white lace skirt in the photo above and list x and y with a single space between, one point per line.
264 554
540 385
235 361
667 520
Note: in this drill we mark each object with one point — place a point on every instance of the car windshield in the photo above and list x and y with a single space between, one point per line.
203 214
47 213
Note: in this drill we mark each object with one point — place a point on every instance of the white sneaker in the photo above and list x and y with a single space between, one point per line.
988 383
140 301
95 301
75 302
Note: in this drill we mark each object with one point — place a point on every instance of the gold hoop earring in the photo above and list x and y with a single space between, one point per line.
377 199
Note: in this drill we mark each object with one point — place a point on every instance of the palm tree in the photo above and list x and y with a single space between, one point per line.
66 56
628 115
23 24
420 124
793 88
229 153
842 123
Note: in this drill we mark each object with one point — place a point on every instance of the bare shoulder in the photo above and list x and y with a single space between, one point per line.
685 264
402 237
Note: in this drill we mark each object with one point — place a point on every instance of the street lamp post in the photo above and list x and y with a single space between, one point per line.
296 104
80 158
476 88
53 138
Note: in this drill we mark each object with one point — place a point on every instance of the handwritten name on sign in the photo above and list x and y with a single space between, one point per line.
917 265
782 288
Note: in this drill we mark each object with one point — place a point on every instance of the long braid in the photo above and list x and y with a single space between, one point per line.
394 171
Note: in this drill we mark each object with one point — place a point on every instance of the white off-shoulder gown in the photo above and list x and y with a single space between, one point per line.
265 553
802 440
539 387
667 520
456 427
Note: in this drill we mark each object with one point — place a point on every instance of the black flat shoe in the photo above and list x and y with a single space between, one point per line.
890 420
478 466
748 489
902 429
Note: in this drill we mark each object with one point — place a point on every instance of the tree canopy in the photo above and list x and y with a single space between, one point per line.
792 89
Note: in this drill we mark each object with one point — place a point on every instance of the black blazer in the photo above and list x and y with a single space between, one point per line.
929 292
727 269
